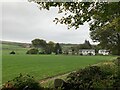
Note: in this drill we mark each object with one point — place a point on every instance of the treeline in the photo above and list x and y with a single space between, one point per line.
40 46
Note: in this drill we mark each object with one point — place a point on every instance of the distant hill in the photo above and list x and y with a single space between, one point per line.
19 48
28 45
15 44
68 46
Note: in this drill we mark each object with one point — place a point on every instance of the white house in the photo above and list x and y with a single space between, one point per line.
87 51
103 52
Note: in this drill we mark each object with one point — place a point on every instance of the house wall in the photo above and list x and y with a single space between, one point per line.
87 52
103 52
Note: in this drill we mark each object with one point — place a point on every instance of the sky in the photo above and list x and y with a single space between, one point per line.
23 22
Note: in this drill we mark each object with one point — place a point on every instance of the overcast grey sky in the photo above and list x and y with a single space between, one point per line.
23 22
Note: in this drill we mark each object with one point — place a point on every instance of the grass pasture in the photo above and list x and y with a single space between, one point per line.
6 49
42 66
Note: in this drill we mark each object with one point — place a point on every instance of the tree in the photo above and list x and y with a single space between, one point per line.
32 51
51 46
58 49
86 45
39 43
102 16
48 49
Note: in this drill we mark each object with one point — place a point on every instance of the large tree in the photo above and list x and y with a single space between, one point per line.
103 18
85 45
58 49
50 47
39 43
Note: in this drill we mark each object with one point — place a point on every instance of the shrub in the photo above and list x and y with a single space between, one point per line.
41 52
32 51
117 61
13 52
83 79
117 76
22 82
94 77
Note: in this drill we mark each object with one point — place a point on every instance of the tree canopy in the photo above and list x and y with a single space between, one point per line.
86 45
45 47
58 49
39 43
103 18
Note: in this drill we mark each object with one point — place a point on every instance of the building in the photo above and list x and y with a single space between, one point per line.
103 52
87 52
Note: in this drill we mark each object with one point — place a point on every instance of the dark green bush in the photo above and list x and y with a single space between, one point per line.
23 82
117 76
84 78
32 51
13 52
117 61
41 52
93 78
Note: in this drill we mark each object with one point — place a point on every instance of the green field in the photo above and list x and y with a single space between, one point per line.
6 49
42 66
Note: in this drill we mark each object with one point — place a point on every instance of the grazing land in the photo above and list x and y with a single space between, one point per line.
43 66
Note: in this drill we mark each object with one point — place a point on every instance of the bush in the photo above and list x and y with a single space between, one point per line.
22 82
83 79
13 52
117 76
117 61
41 52
32 51
93 78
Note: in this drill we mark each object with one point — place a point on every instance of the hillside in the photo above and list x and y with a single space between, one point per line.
19 48
15 44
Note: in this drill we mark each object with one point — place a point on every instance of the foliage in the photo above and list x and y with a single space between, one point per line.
103 18
32 51
51 46
58 49
84 78
59 83
22 82
47 48
13 52
86 45
39 43
42 52
103 77
117 61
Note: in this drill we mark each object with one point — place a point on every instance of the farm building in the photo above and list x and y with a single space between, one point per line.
103 52
87 51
